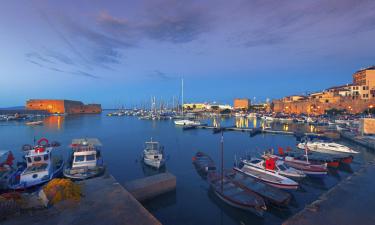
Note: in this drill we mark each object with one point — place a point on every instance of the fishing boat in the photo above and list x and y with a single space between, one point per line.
34 123
272 196
331 160
41 166
203 163
85 159
326 147
232 193
6 168
153 154
249 168
275 166
312 170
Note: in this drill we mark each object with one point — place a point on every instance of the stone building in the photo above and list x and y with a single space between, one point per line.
62 106
241 104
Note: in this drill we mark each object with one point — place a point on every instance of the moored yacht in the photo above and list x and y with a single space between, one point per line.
153 154
249 168
186 122
86 160
41 166
326 147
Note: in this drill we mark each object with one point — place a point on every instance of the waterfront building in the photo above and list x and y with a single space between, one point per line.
353 98
241 104
62 106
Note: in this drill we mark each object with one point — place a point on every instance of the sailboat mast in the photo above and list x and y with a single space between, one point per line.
182 95
222 161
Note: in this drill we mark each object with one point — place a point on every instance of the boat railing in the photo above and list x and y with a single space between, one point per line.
84 148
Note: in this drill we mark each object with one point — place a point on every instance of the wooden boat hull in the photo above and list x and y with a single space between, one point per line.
236 196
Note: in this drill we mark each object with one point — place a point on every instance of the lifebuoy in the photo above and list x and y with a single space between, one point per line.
45 140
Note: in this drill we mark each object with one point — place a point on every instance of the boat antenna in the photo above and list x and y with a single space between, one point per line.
222 160
34 140
307 157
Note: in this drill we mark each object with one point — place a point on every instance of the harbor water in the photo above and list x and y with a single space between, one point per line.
192 203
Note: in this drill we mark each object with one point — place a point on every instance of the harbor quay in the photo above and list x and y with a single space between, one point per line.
104 201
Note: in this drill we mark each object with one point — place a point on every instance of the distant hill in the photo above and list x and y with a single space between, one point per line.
13 108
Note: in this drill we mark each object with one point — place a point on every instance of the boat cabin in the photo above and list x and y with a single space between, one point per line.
38 163
85 152
152 146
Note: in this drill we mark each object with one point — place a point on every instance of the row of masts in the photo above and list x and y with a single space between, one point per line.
160 105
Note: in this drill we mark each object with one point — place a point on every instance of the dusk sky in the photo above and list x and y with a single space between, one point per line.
123 52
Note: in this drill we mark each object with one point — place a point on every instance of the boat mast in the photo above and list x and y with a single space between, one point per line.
182 95
222 160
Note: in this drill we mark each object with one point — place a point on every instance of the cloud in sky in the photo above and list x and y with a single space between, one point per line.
118 41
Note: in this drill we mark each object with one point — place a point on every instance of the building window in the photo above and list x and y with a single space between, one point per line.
327 101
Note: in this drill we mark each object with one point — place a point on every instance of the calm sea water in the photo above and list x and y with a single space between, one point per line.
192 203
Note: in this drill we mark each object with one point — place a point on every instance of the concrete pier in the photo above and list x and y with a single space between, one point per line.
349 202
360 140
149 187
104 201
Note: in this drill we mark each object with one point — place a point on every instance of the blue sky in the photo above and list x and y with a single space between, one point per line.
123 52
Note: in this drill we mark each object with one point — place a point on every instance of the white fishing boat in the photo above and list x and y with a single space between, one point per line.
326 147
268 118
6 168
153 154
279 167
41 166
247 167
86 160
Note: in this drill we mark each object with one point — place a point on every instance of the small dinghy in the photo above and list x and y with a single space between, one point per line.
41 166
251 168
6 168
86 160
204 163
153 154
34 123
